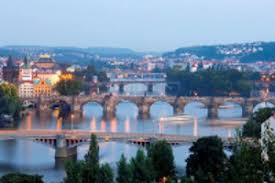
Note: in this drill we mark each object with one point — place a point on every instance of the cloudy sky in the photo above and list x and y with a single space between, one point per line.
143 25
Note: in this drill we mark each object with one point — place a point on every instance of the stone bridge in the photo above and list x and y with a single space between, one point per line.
65 142
109 103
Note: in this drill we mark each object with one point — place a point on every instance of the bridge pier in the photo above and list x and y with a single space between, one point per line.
212 112
62 150
121 88
144 111
247 109
150 88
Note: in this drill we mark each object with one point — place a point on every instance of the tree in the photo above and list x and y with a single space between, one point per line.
91 168
73 171
9 101
105 174
252 128
142 168
21 178
162 157
246 164
123 171
207 161
69 87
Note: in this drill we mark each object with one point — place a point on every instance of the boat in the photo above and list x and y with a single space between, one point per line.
226 106
177 118
236 121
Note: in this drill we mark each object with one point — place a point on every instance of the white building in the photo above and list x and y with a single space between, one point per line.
25 89
267 132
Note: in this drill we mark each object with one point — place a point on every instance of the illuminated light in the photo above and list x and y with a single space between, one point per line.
66 76
103 126
93 124
127 125
29 122
195 127
113 125
59 124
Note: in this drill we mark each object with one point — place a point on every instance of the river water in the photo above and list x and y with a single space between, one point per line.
31 157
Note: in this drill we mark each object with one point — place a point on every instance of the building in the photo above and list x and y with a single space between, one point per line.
25 72
1 73
25 89
10 71
45 62
25 86
42 87
267 134
45 75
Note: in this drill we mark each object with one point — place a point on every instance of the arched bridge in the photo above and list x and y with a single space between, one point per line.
144 103
65 142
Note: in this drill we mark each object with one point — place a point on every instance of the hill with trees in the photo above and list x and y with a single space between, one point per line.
245 52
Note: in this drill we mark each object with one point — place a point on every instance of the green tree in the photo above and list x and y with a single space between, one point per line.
69 87
161 155
246 164
252 128
207 161
91 168
9 101
105 174
73 170
142 168
21 178
123 171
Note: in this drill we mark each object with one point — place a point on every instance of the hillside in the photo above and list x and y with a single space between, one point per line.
246 52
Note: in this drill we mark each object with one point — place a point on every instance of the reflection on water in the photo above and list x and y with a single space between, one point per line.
30 157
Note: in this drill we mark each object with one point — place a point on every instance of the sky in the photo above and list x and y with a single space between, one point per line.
142 25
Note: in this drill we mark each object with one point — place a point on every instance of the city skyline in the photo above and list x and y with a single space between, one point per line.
141 26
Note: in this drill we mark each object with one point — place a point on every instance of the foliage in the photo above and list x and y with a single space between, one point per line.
105 174
73 172
124 171
246 164
211 82
161 155
252 128
20 178
69 87
9 100
91 168
207 162
142 168
213 52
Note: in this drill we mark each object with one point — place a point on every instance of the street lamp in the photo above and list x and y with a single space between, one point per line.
72 121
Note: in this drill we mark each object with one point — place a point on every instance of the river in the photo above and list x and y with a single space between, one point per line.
34 158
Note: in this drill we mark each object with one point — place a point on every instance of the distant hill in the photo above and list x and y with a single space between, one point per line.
70 54
245 52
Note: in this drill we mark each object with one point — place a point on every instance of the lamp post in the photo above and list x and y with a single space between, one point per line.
72 121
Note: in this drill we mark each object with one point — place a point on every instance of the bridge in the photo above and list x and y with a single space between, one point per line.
144 103
65 142
149 83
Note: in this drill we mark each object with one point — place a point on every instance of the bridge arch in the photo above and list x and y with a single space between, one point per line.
230 109
161 108
93 108
196 108
126 108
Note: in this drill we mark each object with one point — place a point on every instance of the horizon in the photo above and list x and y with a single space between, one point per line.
144 51
154 26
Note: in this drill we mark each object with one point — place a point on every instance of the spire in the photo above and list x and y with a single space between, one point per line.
26 63
10 62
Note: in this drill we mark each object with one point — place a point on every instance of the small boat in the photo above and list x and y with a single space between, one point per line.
236 121
226 106
177 118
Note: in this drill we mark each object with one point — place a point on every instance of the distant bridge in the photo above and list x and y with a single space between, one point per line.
65 142
144 103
